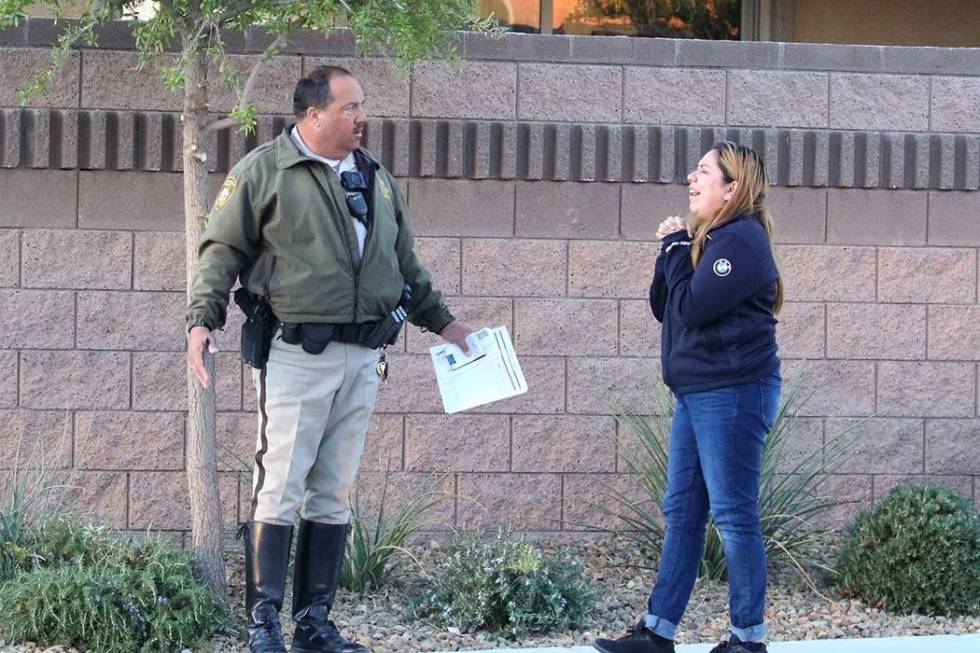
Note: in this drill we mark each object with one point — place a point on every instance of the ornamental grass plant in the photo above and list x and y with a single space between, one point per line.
376 544
791 496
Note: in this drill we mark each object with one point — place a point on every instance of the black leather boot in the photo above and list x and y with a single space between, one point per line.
266 559
319 555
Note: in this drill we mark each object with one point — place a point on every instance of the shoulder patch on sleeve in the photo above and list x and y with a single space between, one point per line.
225 194
722 267
384 187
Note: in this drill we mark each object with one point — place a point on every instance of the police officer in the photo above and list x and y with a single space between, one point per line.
313 225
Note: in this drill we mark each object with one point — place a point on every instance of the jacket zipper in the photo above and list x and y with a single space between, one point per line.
268 281
360 264
350 258
355 269
350 251
670 343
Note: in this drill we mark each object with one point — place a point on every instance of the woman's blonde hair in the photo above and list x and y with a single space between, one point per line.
740 164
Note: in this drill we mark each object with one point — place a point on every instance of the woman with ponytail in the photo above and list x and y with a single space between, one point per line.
716 290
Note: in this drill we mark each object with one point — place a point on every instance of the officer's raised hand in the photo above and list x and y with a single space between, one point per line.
456 332
198 338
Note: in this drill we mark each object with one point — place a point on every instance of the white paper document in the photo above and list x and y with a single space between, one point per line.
490 372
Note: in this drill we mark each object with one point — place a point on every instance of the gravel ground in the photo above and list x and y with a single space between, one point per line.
795 610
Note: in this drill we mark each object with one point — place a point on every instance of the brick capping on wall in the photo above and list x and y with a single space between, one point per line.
481 149
558 48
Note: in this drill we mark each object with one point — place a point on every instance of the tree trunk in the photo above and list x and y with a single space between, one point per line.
202 463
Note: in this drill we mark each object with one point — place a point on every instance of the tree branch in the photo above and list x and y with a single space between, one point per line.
240 8
234 12
253 77
224 123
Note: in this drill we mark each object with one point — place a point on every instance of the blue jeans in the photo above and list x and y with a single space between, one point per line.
714 462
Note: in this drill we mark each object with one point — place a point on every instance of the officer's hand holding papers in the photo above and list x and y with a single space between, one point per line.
489 372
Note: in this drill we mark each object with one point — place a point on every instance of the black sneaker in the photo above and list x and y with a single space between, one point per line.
735 645
639 639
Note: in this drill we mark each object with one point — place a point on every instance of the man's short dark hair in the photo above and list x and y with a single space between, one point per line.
314 89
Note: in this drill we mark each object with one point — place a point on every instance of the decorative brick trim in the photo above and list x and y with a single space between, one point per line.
471 149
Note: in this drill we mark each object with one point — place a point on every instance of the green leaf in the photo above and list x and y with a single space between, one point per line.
178 31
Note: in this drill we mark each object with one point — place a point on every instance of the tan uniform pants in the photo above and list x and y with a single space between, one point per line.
313 413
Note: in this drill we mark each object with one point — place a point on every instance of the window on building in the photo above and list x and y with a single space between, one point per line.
703 19
516 15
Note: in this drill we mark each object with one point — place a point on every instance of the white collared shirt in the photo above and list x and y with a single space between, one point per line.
338 166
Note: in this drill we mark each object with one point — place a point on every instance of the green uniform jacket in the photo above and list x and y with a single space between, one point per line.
281 224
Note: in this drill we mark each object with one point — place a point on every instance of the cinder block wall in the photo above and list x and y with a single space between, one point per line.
536 172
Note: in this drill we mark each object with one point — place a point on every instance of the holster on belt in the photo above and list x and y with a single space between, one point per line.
386 332
258 328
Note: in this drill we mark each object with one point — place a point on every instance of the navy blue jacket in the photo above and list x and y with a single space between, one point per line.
718 324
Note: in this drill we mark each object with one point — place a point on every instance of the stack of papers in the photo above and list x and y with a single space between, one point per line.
489 372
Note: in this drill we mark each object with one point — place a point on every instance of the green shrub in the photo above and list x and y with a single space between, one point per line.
507 586
59 542
79 585
917 551
790 497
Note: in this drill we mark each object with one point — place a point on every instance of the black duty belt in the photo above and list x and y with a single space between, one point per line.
314 337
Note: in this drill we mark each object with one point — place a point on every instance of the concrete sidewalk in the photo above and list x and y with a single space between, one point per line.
936 644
